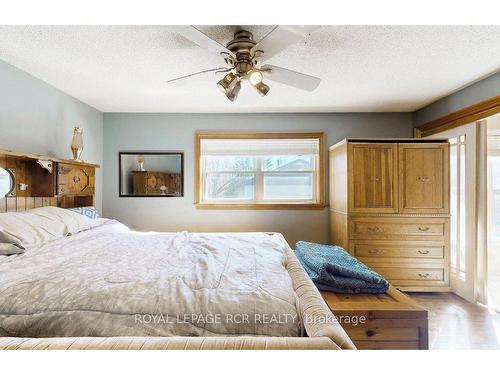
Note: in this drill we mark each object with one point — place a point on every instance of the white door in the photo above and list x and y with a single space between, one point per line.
463 226
491 259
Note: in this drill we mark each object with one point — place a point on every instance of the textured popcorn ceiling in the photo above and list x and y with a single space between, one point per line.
362 68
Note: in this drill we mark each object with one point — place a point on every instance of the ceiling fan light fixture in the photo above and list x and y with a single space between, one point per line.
255 77
233 93
227 83
262 88
243 57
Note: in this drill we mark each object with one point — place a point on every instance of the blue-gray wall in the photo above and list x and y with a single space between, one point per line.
465 97
129 131
36 117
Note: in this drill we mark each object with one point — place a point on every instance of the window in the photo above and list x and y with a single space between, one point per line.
272 170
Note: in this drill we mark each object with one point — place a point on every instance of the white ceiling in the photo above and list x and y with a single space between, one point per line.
362 68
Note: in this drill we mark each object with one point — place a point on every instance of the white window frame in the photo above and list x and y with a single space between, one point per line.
318 171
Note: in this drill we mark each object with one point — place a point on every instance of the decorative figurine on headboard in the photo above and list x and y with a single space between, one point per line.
77 143
140 163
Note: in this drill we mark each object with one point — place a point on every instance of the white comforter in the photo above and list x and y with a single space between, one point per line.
110 281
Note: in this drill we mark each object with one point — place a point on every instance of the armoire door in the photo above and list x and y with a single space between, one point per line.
373 177
424 178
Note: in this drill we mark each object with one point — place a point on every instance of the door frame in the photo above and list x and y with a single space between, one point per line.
481 289
475 112
468 288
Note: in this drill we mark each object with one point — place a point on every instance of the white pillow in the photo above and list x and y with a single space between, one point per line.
36 227
10 249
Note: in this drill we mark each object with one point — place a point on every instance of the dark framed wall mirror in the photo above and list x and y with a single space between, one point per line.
151 174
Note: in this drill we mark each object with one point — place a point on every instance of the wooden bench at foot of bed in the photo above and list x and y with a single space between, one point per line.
381 321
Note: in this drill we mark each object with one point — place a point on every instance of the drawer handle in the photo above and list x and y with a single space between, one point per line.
423 252
423 229
424 275
423 179
374 229
373 251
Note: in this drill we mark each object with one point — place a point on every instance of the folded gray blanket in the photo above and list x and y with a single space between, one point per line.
331 268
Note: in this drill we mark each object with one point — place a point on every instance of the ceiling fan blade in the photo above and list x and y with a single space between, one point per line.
291 77
183 78
201 39
280 38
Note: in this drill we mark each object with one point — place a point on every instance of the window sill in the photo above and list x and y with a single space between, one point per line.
261 206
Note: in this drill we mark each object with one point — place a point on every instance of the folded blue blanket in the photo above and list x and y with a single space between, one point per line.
331 268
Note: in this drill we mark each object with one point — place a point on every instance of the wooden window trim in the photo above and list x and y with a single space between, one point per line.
464 116
261 206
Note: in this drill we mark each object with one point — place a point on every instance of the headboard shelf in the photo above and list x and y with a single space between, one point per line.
51 182
27 155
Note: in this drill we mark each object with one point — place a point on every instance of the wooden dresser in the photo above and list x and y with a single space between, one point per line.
389 207
149 183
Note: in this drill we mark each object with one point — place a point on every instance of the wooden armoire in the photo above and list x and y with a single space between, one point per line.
389 207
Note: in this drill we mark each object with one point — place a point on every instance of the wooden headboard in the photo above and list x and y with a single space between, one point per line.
47 181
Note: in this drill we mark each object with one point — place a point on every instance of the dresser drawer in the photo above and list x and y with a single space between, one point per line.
413 275
414 251
396 227
421 274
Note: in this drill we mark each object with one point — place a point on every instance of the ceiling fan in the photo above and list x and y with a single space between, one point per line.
244 56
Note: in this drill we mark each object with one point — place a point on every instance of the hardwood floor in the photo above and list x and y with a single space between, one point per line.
455 323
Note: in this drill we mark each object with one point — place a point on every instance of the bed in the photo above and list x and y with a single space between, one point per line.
104 286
